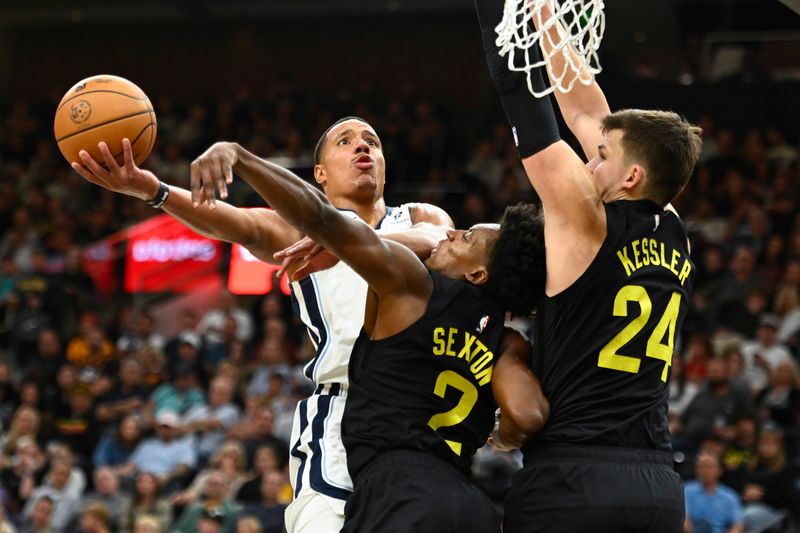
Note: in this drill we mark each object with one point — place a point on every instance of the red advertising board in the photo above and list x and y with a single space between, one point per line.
165 255
250 275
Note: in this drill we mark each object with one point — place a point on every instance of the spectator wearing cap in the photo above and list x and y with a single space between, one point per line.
167 456
216 500
210 422
763 354
188 354
710 506
181 394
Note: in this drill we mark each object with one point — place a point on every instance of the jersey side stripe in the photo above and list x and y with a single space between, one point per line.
296 448
315 475
312 306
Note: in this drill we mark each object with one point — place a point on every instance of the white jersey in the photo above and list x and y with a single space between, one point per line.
331 304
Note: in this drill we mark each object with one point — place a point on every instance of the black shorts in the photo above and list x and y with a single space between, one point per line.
594 489
410 492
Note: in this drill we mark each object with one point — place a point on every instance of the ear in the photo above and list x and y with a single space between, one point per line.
319 175
634 176
479 276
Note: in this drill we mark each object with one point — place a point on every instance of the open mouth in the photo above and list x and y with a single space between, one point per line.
364 162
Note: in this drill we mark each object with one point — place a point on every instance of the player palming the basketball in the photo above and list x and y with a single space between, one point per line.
618 288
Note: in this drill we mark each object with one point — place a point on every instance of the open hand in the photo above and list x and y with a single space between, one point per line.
315 258
127 179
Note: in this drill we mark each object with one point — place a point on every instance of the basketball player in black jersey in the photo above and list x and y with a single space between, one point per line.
618 288
434 359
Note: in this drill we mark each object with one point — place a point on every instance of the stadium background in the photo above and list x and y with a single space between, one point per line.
272 75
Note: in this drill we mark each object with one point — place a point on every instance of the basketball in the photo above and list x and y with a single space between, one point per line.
105 108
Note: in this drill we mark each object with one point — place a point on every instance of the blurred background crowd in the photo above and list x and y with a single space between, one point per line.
111 422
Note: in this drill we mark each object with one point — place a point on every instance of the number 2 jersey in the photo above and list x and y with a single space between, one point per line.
603 347
427 388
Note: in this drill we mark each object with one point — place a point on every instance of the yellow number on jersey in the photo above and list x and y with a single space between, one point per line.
609 358
469 396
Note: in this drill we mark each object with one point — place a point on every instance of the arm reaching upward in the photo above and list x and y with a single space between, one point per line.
392 271
261 231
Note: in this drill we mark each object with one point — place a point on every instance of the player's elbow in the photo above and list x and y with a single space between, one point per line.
530 419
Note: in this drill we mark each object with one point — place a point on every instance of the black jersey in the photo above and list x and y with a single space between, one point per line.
427 388
603 347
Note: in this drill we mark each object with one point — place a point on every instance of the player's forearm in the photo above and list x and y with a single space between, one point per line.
223 223
301 205
583 100
421 239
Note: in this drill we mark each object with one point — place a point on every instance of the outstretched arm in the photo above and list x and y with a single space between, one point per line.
523 407
261 231
388 268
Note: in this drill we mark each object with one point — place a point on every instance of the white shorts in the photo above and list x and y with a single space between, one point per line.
312 513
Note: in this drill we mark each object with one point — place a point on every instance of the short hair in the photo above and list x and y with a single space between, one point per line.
517 266
99 511
324 137
665 143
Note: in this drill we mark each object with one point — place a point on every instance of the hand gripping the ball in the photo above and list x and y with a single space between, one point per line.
127 179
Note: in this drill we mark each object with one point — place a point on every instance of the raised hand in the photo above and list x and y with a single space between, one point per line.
127 179
212 172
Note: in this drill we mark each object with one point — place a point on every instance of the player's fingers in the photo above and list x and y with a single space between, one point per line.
111 163
93 166
208 187
221 179
86 174
195 184
228 174
128 154
284 266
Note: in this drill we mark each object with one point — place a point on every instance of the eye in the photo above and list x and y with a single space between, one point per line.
343 141
371 142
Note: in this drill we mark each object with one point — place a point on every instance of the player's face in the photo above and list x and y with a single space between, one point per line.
464 254
610 167
352 164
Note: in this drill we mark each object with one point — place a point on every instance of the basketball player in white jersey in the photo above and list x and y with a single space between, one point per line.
350 167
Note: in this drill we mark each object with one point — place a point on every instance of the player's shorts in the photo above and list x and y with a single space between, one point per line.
410 492
312 513
595 489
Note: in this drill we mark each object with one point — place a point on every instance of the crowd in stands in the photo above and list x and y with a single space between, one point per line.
106 424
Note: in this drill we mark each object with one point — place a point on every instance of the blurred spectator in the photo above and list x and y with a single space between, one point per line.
148 504
266 460
739 452
114 450
43 363
77 427
215 503
167 456
181 394
91 353
769 491
24 473
209 422
5 525
148 524
257 429
76 481
272 360
230 460
212 324
763 354
95 519
269 511
248 524
40 518
713 410
25 423
107 493
65 505
127 396
142 337
710 506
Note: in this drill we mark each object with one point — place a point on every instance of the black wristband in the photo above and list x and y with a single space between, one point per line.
532 119
161 196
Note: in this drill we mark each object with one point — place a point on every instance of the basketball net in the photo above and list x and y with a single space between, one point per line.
568 29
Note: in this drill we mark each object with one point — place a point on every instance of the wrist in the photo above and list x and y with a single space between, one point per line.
158 199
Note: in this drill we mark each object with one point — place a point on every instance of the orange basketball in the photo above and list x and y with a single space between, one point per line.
105 108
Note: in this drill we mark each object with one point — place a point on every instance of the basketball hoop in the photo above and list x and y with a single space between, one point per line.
566 29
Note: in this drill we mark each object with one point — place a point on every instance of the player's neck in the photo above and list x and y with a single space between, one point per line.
370 212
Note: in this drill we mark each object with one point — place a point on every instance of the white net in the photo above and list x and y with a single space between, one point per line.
568 33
